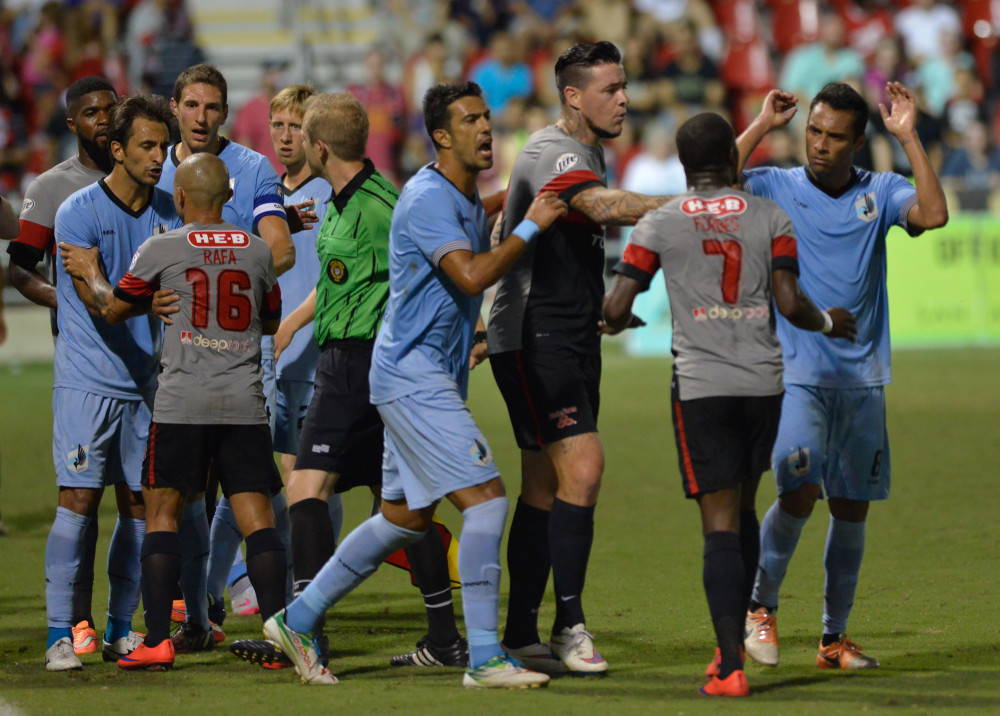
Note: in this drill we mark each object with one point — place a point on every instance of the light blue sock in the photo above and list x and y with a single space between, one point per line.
225 540
779 535
282 523
845 546
124 571
193 535
63 551
354 561
336 505
239 568
479 570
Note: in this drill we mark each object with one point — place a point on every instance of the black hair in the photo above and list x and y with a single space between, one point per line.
573 66
86 85
844 98
130 109
437 100
705 143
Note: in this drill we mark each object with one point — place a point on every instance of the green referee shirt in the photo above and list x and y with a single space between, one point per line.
353 248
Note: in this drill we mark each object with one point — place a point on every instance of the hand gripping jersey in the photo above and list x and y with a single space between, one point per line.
553 294
91 354
717 250
841 245
211 371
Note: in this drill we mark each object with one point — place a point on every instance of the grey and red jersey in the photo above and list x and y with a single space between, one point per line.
553 294
717 250
211 370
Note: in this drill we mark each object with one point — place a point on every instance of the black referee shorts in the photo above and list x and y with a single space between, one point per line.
551 393
342 432
723 442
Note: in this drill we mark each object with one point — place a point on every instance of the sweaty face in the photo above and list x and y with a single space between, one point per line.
143 156
830 141
471 133
200 114
286 133
92 116
603 100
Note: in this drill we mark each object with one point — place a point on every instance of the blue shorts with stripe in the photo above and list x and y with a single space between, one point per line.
835 438
433 447
97 440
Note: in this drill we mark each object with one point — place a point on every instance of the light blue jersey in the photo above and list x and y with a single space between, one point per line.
298 361
426 334
841 247
91 354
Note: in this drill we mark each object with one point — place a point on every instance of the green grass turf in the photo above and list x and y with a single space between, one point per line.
926 605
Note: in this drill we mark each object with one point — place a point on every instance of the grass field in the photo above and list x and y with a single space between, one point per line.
926 605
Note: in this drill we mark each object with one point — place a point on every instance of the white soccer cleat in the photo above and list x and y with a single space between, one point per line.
503 672
575 648
242 597
301 649
61 657
760 637
122 647
538 657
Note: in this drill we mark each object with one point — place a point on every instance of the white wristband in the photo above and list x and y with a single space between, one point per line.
527 230
827 322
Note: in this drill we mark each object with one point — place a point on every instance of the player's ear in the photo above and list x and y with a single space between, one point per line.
572 96
71 124
229 195
117 151
442 137
173 107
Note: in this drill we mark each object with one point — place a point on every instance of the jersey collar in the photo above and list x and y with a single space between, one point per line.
289 192
121 204
840 192
340 200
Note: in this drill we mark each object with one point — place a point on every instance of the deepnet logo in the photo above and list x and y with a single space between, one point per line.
216 344
735 313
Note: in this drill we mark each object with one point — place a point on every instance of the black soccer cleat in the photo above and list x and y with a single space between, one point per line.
428 654
190 638
261 652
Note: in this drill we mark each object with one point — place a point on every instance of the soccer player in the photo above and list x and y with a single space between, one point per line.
210 401
200 103
104 378
724 255
544 346
439 264
832 436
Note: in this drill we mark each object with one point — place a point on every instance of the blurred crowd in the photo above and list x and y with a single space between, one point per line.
681 57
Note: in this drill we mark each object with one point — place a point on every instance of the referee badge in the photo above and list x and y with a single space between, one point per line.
336 270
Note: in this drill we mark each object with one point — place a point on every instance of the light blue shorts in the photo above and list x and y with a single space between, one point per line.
97 440
834 438
292 404
433 447
270 385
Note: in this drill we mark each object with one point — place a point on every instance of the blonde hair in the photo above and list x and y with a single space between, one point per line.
292 99
340 121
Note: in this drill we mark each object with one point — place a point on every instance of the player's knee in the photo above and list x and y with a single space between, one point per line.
309 484
81 500
799 502
848 510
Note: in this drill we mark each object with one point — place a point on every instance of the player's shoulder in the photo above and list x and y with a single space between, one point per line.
237 155
881 180
426 184
84 200
775 175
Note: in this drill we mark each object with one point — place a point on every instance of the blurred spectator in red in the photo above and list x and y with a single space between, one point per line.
867 23
386 108
921 26
252 125
810 67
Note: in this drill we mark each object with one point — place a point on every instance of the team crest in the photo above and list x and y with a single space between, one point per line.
77 458
566 161
799 463
337 271
866 207
480 452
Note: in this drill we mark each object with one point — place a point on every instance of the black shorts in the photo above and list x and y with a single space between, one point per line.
178 457
551 393
723 442
342 432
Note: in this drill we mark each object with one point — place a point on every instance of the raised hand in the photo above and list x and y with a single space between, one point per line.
901 116
778 109
300 217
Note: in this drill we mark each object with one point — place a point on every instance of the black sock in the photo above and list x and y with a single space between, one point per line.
528 566
312 539
750 545
161 568
830 639
429 563
571 534
722 575
266 569
83 587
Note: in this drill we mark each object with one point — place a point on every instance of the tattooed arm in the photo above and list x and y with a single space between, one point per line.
615 207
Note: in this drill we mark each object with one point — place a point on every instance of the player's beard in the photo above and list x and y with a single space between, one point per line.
100 155
601 132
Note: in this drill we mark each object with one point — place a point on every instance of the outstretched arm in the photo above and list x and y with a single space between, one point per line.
931 209
618 302
615 207
777 111
274 230
802 313
303 315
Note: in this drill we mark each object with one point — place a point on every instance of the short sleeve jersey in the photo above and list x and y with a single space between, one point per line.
45 195
717 250
841 247
353 248
427 333
298 361
211 370
92 355
553 294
